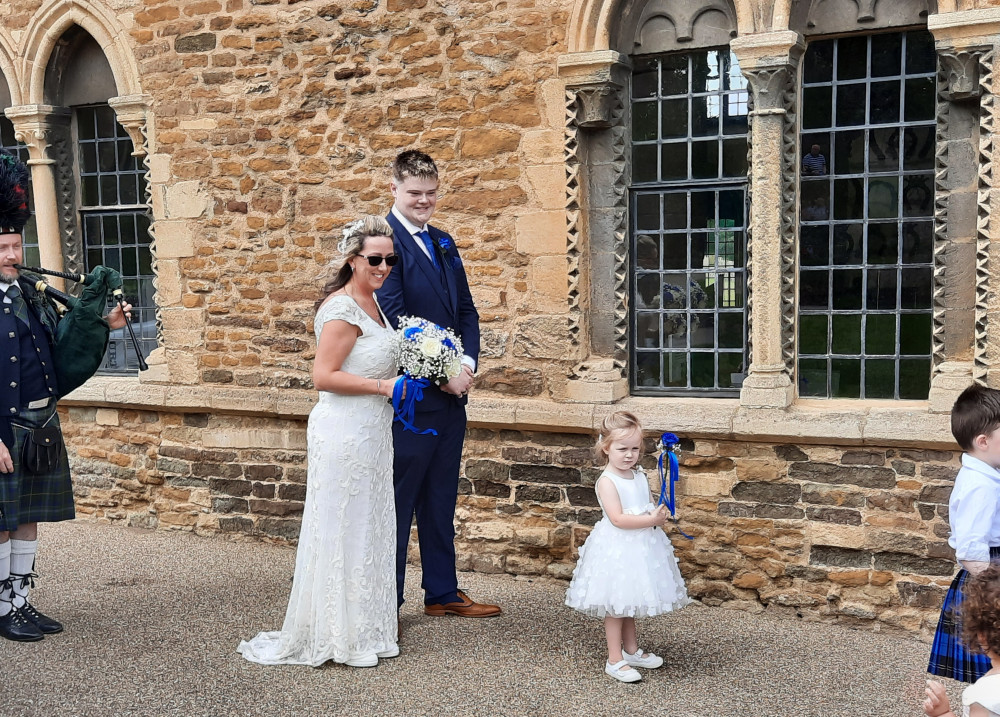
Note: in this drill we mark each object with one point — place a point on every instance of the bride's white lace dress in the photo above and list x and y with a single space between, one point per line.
343 601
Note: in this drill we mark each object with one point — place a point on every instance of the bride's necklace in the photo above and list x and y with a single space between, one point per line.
373 316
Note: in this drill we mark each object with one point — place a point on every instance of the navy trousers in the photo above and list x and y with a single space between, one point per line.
425 476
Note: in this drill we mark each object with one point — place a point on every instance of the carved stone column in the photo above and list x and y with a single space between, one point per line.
966 284
597 236
770 63
41 127
961 223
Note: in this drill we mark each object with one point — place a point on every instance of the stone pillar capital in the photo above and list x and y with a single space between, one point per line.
767 50
593 68
131 111
34 126
961 70
596 104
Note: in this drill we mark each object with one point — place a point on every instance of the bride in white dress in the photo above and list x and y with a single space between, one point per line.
343 601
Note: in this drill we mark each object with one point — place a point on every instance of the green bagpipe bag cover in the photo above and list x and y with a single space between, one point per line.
82 334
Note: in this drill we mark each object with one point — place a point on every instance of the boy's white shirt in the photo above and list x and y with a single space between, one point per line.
974 511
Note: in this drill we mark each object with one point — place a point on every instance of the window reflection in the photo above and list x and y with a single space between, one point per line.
689 242
866 208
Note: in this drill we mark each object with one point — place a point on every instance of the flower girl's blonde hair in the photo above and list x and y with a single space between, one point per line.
614 426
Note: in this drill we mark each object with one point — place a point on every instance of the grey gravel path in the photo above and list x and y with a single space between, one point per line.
153 620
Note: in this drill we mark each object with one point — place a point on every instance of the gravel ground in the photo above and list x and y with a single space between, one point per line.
153 620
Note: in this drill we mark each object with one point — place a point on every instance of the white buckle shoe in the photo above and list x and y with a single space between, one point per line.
621 675
391 652
650 661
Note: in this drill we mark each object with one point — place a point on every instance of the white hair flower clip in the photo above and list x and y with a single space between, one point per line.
350 231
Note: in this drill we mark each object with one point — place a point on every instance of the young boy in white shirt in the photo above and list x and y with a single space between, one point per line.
974 517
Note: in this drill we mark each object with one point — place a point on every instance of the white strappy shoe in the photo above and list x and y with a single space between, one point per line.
650 661
622 675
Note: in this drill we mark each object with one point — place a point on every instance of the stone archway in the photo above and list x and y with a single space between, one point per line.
8 66
48 26
593 23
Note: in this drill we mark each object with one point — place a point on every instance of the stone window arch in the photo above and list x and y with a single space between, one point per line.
599 161
87 146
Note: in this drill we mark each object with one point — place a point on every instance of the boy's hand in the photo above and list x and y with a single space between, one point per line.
936 704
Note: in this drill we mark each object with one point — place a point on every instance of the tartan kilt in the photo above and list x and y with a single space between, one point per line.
29 498
949 657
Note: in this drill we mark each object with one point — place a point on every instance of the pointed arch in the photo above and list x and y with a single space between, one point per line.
49 24
593 23
8 66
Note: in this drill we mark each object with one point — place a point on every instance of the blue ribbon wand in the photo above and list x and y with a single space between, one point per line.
669 446
405 408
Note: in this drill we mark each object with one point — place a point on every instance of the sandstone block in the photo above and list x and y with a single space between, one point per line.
850 578
542 233
905 563
538 494
184 200
843 516
514 381
840 557
544 474
487 470
491 489
492 531
917 595
854 475
784 493
107 417
480 143
549 185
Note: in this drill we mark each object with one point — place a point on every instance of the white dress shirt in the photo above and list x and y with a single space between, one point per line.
974 510
413 229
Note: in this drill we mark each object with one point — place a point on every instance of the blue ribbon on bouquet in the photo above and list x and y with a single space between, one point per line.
670 446
405 408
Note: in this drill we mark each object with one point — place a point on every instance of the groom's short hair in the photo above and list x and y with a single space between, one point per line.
413 163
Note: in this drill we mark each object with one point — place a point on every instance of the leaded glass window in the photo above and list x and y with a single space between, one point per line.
866 234
115 222
29 238
688 223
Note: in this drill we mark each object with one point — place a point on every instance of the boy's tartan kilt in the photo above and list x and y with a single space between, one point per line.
949 657
29 498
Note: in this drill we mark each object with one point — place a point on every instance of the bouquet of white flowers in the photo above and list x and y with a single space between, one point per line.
427 350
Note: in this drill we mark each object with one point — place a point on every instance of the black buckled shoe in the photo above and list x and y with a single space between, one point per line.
17 627
45 624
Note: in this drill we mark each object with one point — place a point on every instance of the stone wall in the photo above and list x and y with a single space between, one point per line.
849 535
268 124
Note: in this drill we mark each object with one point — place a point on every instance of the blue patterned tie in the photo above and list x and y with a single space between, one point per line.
425 237
20 308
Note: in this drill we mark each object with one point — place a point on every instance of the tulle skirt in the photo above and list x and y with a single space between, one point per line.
626 573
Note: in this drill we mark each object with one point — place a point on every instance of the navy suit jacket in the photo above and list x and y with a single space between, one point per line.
415 288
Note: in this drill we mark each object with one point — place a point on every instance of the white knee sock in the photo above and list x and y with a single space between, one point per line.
5 593
22 560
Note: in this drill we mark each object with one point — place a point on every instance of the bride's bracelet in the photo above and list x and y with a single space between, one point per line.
378 387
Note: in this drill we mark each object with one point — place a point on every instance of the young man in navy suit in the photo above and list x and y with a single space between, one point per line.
430 282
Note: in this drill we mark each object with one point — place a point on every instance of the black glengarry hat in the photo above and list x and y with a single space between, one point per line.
14 212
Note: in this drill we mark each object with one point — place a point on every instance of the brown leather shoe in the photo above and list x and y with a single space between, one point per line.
466 607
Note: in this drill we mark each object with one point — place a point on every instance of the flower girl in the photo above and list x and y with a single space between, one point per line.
627 567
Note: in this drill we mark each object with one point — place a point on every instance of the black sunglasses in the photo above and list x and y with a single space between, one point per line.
390 260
